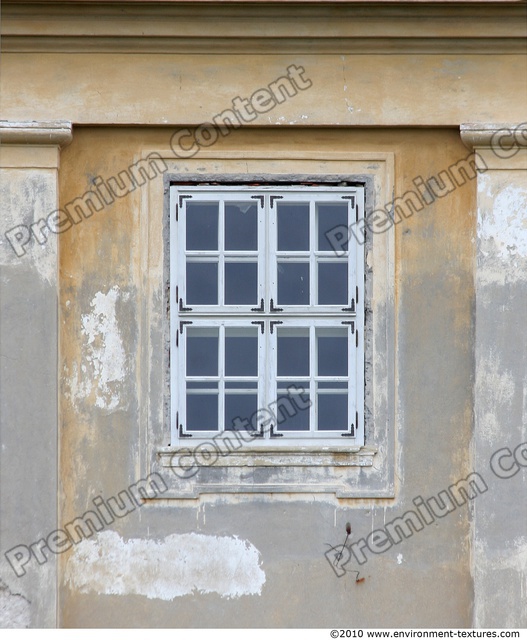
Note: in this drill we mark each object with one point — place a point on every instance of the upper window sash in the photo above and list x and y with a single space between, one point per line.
265 250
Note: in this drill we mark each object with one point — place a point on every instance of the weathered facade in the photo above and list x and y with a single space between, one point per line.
102 109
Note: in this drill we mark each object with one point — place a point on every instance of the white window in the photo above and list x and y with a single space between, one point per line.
267 319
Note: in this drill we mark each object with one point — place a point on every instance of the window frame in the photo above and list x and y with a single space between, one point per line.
236 315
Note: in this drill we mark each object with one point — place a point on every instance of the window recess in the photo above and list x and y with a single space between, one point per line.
266 317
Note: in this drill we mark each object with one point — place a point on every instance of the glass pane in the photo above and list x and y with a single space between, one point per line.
241 282
293 352
330 384
332 347
293 283
293 226
291 415
241 226
202 226
202 351
330 216
241 352
202 412
241 384
333 283
208 384
332 412
202 283
239 406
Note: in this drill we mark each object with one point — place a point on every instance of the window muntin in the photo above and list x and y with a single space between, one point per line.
255 274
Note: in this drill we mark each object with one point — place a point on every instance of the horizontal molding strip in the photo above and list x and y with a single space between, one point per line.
262 46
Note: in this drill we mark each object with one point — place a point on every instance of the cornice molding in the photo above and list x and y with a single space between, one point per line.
58 133
265 27
264 46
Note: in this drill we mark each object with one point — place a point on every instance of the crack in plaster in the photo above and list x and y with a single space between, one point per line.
14 609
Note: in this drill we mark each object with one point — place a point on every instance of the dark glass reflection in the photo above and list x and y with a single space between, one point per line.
332 347
330 216
239 406
241 353
241 226
333 283
293 283
293 352
202 226
292 415
202 283
202 352
293 226
241 282
202 412
332 412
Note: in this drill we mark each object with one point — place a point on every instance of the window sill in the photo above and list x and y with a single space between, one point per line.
287 471
285 456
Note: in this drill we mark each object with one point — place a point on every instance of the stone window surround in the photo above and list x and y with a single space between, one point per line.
299 469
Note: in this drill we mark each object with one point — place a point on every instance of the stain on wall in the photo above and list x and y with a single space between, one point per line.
178 565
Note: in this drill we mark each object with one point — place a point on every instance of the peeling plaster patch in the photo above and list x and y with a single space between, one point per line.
518 561
178 565
506 224
496 388
27 196
104 364
14 609
399 558
500 568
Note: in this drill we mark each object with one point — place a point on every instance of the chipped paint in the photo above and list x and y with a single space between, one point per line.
506 223
103 368
497 387
178 565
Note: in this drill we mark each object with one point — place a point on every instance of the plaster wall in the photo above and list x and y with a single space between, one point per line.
425 580
75 382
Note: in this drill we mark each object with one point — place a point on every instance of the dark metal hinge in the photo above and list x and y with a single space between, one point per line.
272 323
181 307
261 307
182 323
181 197
350 322
273 198
261 323
351 308
275 435
272 308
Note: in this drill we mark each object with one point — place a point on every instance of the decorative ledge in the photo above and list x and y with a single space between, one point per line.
56 132
290 470
283 457
485 135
